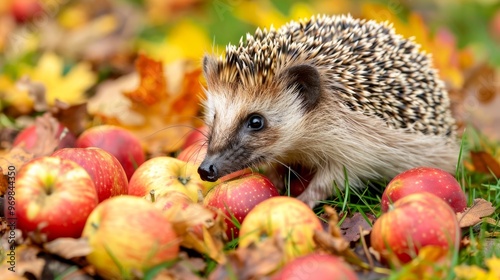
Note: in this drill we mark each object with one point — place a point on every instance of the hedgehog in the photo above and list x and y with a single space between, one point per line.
347 98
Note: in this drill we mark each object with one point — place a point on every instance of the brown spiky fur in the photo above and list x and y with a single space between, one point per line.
380 107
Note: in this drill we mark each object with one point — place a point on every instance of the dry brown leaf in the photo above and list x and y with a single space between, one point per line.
160 113
195 224
333 241
15 159
72 117
352 227
68 248
255 261
36 91
185 268
473 214
485 163
26 260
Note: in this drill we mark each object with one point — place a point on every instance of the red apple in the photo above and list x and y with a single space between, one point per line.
318 267
29 137
128 235
166 174
105 170
297 179
121 143
195 153
54 196
415 221
284 217
425 179
26 10
197 136
236 197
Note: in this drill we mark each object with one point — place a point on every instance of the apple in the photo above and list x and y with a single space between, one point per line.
316 266
119 142
54 196
284 217
105 170
236 197
415 221
29 137
425 179
25 10
165 174
127 234
297 179
195 153
197 136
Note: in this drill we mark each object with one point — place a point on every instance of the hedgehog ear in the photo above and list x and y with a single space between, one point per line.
306 79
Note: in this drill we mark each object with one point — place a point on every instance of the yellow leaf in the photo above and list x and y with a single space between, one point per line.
185 41
15 96
69 88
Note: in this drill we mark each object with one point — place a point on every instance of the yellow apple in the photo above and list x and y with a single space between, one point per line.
128 235
285 217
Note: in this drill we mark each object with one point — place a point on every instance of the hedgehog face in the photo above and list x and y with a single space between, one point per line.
252 124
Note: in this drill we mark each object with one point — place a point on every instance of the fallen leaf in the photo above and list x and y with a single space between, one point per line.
352 227
68 86
473 214
432 262
485 163
255 261
72 117
26 261
14 159
158 112
473 272
333 241
194 224
68 248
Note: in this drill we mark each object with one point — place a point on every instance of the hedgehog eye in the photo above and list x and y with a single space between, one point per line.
255 122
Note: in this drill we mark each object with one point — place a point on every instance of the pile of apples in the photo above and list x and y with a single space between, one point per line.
100 187
419 209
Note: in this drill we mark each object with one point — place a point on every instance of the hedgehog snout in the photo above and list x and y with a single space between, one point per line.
208 171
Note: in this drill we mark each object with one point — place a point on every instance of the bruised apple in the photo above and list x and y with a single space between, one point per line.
54 196
165 174
105 170
415 221
119 142
236 197
316 266
425 179
127 234
283 217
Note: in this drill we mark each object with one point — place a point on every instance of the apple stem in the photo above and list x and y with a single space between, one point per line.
152 195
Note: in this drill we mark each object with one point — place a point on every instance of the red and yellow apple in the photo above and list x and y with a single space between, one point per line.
54 196
29 137
127 235
196 136
425 179
284 217
119 142
318 267
194 153
236 197
415 221
165 174
105 170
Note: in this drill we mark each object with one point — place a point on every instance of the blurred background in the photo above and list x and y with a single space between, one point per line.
85 51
